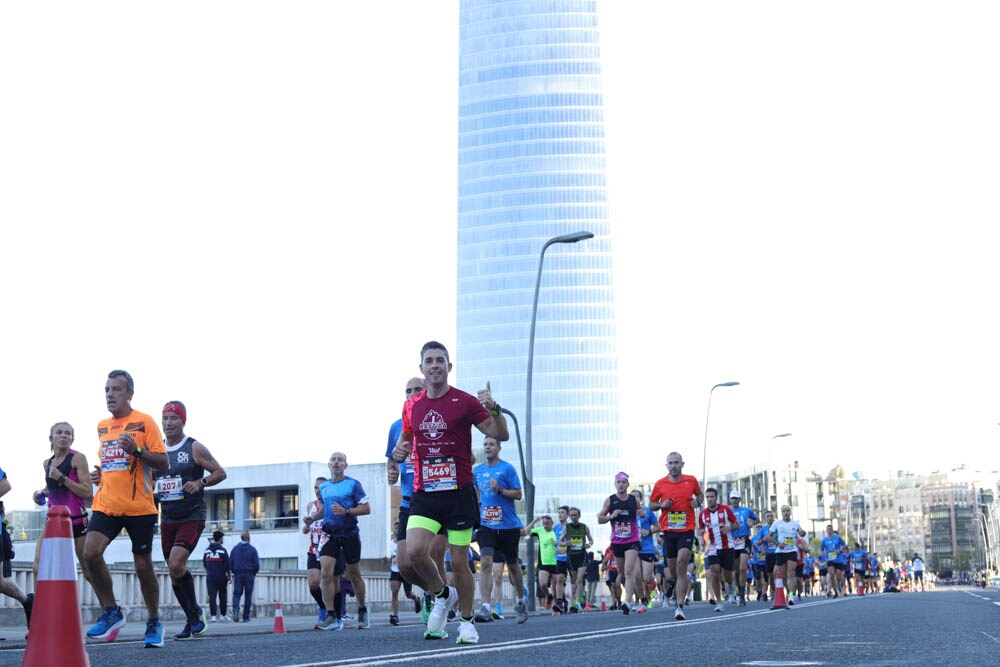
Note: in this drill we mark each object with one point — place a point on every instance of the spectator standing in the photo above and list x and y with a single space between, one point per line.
218 573
245 564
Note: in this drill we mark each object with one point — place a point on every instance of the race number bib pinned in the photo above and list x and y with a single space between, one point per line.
492 515
113 457
676 520
170 488
440 474
622 529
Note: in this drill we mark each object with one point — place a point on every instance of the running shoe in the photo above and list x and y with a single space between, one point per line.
718 607
425 608
213 619
498 612
364 621
467 633
791 602
679 614
439 612
522 611
483 615
154 634
320 615
199 626
575 609
641 610
108 623
331 622
185 633
441 634
393 619
625 609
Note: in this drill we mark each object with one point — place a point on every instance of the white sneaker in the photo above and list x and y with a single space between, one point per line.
213 620
439 611
718 607
679 614
467 633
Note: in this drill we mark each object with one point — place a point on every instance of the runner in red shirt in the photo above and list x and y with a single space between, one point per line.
437 428
677 495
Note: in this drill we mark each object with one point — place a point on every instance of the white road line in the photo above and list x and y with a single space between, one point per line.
991 636
469 650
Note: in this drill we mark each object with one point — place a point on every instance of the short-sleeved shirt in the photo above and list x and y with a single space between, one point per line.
348 493
647 545
442 438
405 468
560 549
679 517
786 534
743 516
712 521
497 511
546 545
832 546
126 487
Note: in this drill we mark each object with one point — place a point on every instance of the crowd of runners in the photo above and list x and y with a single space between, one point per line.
448 503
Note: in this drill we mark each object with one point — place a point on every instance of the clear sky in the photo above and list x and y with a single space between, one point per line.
251 207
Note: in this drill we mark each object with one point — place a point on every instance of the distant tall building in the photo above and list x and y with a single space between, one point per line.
531 166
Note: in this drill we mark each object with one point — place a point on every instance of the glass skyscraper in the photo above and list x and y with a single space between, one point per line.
531 166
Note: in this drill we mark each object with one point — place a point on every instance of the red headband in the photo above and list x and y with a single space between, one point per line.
177 409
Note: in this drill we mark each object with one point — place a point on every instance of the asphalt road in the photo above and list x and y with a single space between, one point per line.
948 626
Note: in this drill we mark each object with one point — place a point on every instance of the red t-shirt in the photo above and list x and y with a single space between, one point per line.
680 516
712 521
441 429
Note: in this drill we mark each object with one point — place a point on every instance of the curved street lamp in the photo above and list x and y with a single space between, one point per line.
529 484
704 454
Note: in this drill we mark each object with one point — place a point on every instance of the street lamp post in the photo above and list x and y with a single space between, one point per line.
704 454
529 483
767 473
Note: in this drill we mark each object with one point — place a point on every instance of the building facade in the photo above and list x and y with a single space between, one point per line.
531 164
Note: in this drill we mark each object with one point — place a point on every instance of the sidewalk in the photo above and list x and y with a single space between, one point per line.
135 630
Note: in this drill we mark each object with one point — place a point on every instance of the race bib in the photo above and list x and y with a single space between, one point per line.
676 520
739 543
711 549
492 515
440 474
576 543
789 541
170 488
622 530
113 457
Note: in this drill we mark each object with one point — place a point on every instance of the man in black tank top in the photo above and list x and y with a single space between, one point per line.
181 492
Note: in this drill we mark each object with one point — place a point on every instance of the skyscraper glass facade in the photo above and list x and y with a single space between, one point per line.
531 164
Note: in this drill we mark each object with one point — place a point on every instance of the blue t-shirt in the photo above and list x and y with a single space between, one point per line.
860 559
831 546
405 468
348 493
560 551
743 516
496 511
808 564
645 523
768 547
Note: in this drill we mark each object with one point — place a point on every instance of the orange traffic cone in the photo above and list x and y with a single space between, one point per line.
279 620
861 590
57 638
604 605
779 593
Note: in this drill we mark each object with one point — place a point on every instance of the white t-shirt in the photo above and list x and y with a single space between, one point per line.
786 535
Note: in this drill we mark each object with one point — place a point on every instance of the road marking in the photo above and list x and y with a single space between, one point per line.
991 637
542 642
997 604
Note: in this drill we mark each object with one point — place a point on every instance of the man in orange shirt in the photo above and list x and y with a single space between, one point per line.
131 449
677 495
